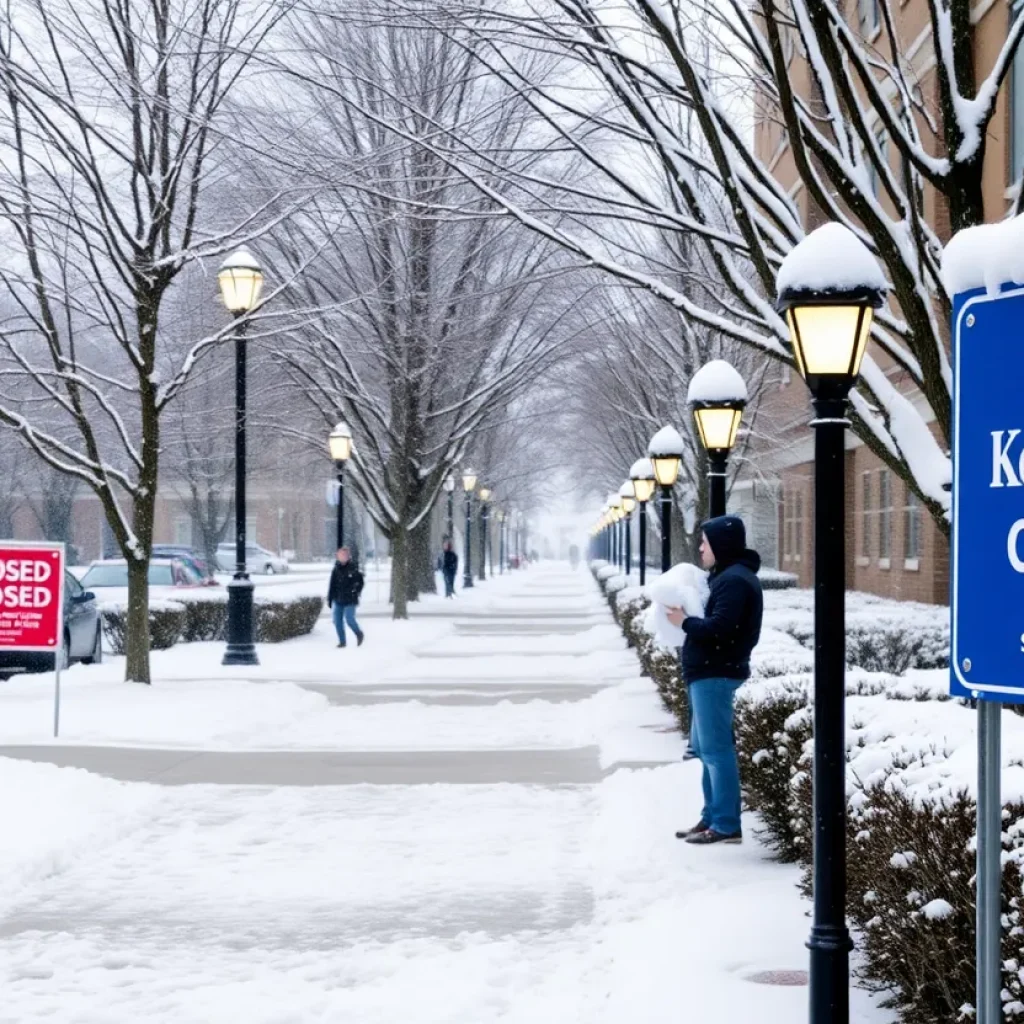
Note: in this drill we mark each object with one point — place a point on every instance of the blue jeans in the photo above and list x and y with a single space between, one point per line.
713 742
345 613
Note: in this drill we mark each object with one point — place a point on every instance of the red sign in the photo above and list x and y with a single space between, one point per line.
31 595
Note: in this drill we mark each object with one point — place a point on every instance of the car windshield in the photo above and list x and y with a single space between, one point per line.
116 575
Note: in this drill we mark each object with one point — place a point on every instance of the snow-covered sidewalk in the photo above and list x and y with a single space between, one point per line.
557 894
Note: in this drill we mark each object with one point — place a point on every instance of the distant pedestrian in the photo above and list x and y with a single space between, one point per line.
715 663
449 568
343 596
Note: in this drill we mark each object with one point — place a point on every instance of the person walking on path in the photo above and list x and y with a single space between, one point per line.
449 568
343 596
715 663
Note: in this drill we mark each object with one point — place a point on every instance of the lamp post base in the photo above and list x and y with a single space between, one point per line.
467 582
240 650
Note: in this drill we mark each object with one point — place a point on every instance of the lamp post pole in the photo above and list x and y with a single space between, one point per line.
643 543
451 514
340 467
501 543
240 649
666 526
483 541
830 943
627 522
829 332
467 575
719 462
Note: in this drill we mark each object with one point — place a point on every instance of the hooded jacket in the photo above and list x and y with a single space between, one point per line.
718 645
449 562
346 585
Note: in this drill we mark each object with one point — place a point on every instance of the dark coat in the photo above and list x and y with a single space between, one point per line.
449 563
346 584
718 645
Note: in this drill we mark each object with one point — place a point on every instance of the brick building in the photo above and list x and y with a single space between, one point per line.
894 547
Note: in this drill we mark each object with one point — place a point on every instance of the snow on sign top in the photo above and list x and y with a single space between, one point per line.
717 381
830 259
642 469
986 256
666 441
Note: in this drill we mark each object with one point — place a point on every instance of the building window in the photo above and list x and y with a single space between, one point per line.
884 515
867 515
912 527
798 526
870 17
183 531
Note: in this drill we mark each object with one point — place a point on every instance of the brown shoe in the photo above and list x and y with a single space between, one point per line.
695 831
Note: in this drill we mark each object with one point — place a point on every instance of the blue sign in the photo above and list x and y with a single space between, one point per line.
987 556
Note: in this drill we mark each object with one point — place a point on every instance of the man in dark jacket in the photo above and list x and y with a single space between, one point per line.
343 596
449 568
715 663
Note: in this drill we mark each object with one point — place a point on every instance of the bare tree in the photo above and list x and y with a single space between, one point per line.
109 137
642 67
444 311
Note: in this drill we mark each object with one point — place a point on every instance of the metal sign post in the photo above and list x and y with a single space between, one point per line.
987 574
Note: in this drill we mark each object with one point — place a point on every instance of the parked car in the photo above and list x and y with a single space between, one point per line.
83 635
190 557
163 572
257 560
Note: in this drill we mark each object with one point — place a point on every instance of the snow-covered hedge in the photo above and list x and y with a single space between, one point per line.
773 579
187 620
910 782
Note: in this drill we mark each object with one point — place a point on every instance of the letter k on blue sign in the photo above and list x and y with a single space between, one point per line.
987 570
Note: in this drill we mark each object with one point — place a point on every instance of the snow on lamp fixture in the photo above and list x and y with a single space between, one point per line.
449 483
241 281
642 475
627 497
485 494
666 454
469 481
339 443
829 287
717 395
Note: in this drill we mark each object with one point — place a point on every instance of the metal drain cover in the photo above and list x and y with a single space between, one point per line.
785 978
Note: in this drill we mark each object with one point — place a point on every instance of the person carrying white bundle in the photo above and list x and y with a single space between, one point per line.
715 663
683 586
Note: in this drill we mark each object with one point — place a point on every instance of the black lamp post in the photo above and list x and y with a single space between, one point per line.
501 542
642 475
241 282
339 444
717 396
829 330
485 497
666 454
449 486
628 497
615 517
468 485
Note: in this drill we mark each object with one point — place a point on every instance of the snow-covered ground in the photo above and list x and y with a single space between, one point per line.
494 901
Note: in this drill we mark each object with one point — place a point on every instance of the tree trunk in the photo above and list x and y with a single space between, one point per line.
424 560
137 641
400 573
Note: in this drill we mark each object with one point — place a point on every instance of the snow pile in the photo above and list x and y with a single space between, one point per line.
666 442
987 256
717 381
683 586
830 259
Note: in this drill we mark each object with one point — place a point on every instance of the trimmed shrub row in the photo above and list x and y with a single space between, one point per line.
911 823
193 621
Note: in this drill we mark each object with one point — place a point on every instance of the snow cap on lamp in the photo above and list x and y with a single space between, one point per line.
666 451
829 287
642 475
718 396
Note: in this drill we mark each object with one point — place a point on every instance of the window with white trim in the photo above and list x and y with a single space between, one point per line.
884 515
912 527
867 515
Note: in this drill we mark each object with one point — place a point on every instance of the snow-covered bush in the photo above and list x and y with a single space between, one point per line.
277 621
166 625
773 579
606 572
197 619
